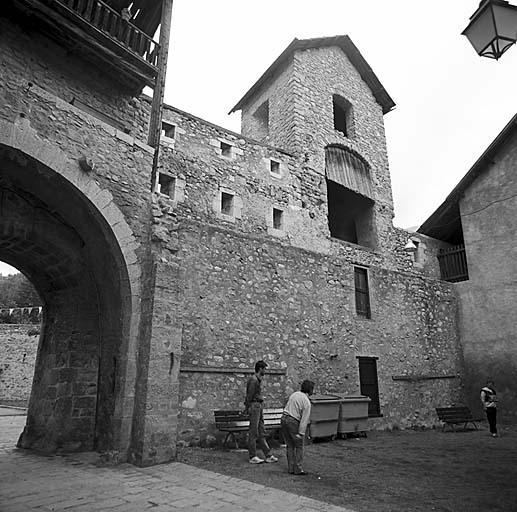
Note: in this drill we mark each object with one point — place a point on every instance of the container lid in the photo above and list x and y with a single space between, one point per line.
321 398
358 398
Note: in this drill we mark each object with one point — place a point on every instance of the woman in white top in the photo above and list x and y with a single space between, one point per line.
295 419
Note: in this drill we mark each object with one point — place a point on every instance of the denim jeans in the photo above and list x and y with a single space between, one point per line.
294 444
257 432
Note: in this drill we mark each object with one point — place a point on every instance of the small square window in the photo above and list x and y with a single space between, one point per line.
166 185
278 218
226 149
274 167
226 203
168 130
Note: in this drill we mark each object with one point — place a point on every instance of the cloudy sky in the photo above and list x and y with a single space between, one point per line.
451 103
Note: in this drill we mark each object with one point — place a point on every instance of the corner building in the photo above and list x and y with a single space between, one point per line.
276 244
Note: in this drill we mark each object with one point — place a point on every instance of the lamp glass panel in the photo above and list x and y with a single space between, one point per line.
480 31
506 21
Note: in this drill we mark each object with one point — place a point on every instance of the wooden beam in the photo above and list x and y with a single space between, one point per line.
155 121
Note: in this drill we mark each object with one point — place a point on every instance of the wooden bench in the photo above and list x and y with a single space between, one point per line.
456 415
233 422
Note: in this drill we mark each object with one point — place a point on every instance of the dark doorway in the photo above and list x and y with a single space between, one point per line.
369 384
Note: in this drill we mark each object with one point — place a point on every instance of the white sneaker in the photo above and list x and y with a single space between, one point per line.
271 458
256 460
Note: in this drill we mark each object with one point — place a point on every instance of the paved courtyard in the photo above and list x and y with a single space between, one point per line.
80 482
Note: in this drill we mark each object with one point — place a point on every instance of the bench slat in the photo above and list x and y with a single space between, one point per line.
235 421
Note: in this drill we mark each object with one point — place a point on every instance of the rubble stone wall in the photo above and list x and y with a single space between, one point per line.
18 345
247 298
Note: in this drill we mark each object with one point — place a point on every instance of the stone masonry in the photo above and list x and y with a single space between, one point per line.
158 302
19 344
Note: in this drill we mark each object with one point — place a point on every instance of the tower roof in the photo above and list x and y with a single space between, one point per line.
351 51
445 221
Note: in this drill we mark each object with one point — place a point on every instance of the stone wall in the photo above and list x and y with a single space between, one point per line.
301 121
85 245
18 345
488 298
248 298
248 291
165 301
30 58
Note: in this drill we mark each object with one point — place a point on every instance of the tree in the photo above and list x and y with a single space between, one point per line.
17 291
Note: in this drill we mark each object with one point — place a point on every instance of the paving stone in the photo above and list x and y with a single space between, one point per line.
68 483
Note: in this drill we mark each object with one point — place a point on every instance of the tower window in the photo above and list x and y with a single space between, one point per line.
226 203
278 220
350 215
351 212
342 115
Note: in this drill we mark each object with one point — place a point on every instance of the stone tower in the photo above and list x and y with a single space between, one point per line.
321 101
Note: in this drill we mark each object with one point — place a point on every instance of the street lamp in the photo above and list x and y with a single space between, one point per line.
492 28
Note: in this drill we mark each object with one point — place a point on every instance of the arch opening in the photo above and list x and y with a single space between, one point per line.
62 243
20 319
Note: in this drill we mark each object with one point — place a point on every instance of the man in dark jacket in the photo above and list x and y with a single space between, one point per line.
489 401
253 406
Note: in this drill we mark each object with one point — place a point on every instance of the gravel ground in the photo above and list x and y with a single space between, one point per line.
406 471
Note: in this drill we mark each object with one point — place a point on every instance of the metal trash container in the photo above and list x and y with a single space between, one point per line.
324 415
353 413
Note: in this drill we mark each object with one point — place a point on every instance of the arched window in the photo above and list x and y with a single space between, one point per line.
350 197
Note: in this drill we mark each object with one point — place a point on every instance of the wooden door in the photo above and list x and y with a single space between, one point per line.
369 384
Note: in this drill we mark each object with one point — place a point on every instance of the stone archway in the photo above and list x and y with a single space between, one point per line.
68 236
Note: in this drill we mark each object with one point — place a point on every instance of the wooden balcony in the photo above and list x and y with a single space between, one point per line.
103 34
453 264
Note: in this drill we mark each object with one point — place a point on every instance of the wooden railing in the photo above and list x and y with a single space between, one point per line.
453 264
110 22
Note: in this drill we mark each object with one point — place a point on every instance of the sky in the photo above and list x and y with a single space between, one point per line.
451 103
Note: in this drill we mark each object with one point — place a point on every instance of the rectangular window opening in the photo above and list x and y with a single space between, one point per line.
274 167
350 215
166 185
226 149
362 293
168 130
341 114
278 218
226 203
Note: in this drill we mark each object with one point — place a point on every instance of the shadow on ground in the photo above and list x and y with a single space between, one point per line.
407 471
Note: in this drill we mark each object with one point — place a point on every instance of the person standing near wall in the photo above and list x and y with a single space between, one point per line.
295 419
489 401
253 406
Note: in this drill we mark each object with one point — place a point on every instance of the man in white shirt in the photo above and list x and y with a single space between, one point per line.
295 420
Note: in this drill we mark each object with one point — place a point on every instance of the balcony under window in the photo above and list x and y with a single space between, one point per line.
115 33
